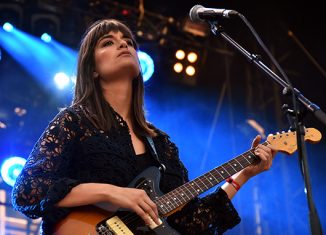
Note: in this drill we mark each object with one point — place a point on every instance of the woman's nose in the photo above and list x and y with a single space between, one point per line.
123 44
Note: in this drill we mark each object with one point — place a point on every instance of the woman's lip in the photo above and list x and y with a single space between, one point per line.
124 53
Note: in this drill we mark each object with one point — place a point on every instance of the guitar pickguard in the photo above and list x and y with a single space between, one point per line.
126 222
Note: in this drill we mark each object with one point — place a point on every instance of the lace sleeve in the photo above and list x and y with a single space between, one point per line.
213 214
44 179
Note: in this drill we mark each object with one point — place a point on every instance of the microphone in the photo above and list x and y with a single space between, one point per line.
199 13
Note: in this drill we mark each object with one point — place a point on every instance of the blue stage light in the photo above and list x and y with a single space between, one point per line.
11 168
61 80
146 64
46 37
8 27
41 60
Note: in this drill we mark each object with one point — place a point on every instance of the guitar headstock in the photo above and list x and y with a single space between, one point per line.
286 142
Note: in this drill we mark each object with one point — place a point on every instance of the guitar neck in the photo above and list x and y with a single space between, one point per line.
185 193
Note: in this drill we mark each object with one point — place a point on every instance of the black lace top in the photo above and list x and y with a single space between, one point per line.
72 151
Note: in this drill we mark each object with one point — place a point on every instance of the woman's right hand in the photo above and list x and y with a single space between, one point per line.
136 200
111 196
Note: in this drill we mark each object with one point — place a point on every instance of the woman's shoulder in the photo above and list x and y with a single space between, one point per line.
69 114
161 136
158 131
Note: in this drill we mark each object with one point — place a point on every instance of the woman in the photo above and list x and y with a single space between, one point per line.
93 149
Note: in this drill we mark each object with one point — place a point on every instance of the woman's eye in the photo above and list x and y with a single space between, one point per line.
130 43
108 43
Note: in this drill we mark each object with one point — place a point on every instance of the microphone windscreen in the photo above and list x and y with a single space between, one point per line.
193 13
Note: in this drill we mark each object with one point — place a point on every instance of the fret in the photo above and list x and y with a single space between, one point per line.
236 165
252 156
235 171
225 171
199 189
210 178
246 159
176 199
217 170
161 205
166 201
239 162
184 193
176 195
192 189
203 181
161 208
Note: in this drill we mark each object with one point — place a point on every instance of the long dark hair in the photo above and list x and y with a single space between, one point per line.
88 90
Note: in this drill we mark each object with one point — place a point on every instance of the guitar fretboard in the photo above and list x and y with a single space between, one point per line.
183 194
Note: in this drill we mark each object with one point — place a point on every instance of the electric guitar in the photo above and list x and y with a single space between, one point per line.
91 220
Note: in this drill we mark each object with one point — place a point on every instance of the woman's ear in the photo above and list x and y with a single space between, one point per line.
95 74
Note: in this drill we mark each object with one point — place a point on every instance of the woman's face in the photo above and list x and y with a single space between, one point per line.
116 57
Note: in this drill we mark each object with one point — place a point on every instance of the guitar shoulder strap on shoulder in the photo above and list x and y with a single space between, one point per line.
154 153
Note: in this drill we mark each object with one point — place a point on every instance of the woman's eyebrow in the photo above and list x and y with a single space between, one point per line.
111 36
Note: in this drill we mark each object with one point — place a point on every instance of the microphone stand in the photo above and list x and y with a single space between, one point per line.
308 105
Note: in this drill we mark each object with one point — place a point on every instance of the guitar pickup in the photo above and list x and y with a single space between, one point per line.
117 226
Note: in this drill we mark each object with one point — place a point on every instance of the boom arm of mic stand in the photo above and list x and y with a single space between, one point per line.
318 113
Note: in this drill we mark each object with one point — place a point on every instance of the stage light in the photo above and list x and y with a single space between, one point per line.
195 28
146 64
125 12
29 51
8 27
186 68
20 111
61 80
11 12
11 168
48 23
192 57
178 67
3 125
46 37
180 54
190 70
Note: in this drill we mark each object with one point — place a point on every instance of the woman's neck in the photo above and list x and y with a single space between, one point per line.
119 95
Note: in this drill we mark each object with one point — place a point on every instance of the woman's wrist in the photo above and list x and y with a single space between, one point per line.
241 177
245 174
234 183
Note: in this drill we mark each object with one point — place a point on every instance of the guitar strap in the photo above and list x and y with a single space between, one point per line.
154 153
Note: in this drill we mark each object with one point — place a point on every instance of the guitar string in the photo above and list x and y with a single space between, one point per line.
130 218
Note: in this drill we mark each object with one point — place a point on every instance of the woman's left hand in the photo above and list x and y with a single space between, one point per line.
266 155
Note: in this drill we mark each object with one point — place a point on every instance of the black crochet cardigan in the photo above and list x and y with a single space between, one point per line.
72 151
